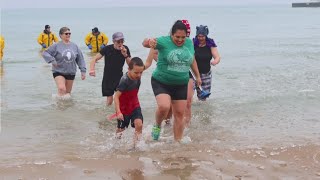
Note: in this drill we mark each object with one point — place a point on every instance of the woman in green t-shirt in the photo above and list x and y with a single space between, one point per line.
171 76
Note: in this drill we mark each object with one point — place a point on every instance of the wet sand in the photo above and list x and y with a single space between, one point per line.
295 162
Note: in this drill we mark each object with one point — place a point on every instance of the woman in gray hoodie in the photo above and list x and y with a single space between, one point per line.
64 56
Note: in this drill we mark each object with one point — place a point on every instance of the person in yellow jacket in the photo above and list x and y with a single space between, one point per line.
1 46
96 40
46 38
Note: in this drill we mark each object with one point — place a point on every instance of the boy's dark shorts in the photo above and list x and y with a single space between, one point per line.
136 114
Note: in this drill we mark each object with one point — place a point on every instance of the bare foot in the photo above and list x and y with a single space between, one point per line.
167 121
119 135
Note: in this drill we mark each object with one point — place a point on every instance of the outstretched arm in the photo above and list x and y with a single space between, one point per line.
152 56
195 70
215 55
116 100
93 64
82 64
55 38
149 43
87 39
105 39
40 39
49 54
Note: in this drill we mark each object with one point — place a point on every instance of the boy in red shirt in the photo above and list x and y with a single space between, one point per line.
126 100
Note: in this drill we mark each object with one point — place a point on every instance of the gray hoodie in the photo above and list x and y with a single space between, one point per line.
65 56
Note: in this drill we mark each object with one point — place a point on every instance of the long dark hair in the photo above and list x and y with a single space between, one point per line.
178 25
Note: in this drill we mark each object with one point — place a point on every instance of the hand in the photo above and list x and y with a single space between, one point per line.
83 75
54 64
120 116
102 46
198 81
92 73
215 62
123 51
89 46
44 45
152 43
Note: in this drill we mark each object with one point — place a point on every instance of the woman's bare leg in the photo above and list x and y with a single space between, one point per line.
178 109
189 102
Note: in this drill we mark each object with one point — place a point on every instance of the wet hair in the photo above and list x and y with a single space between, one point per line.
63 30
178 25
136 61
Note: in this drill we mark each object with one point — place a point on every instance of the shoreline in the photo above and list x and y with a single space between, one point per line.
295 162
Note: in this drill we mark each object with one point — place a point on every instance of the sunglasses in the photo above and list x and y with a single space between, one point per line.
67 33
120 41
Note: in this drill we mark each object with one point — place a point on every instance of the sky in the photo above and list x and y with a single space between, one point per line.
111 3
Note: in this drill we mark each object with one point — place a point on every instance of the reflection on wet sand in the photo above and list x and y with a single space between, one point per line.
294 162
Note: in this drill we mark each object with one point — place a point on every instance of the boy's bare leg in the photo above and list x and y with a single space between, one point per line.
119 133
138 129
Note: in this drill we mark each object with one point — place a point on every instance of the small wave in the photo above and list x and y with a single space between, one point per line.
316 158
65 97
307 90
15 61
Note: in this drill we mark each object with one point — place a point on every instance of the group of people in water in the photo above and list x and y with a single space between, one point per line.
182 65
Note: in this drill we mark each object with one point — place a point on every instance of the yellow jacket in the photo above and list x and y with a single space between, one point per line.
47 39
96 41
1 46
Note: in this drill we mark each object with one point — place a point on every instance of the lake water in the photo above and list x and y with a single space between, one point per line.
266 90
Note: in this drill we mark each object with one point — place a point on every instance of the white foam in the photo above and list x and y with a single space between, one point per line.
141 145
186 140
307 90
63 98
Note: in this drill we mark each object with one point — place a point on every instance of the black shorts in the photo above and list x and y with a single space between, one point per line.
176 92
66 76
110 83
136 114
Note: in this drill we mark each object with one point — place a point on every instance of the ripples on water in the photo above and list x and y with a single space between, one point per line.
264 105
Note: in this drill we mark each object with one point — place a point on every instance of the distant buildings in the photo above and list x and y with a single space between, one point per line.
314 3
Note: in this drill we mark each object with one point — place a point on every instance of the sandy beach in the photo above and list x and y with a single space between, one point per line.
295 162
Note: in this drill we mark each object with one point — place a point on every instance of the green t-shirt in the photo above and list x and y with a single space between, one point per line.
173 61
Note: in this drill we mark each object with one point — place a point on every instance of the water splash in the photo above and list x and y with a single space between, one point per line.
65 97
